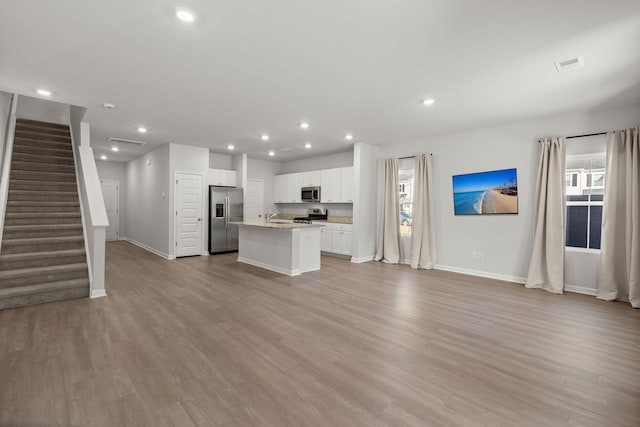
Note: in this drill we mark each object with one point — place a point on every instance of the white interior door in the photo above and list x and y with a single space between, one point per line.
253 205
110 194
188 200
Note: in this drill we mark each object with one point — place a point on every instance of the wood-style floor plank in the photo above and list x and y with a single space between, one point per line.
207 341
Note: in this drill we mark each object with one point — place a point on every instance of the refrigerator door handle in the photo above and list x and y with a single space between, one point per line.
226 217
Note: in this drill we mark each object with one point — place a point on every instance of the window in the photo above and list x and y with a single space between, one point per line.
585 194
406 174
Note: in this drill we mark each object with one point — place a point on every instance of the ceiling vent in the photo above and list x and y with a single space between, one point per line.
126 141
286 149
569 64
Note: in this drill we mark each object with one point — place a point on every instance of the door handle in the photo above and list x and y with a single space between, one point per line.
199 219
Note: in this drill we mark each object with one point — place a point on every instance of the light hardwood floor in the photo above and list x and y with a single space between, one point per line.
206 341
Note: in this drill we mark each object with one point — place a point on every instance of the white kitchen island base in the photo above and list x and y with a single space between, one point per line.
290 249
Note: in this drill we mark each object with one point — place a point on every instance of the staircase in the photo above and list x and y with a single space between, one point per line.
42 257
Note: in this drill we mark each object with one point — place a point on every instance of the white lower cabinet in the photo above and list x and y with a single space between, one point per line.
326 237
336 238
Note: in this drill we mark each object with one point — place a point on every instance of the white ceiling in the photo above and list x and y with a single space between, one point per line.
361 66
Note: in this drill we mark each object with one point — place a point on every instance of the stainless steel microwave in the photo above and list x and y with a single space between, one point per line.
310 194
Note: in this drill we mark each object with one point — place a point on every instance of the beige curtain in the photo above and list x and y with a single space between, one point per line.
423 240
619 276
389 244
546 269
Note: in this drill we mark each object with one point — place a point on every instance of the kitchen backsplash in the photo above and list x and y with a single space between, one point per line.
300 209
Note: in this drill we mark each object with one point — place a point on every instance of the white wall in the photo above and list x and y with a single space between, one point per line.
43 110
148 200
188 158
330 161
265 170
118 172
505 240
5 105
219 161
239 164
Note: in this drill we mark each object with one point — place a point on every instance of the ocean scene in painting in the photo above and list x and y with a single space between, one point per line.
494 192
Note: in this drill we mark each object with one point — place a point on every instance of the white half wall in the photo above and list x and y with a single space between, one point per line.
504 240
118 172
265 170
337 160
148 195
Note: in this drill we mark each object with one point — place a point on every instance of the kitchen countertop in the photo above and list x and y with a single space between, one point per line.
335 219
276 225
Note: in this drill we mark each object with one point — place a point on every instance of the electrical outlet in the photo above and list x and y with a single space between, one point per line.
477 255
480 256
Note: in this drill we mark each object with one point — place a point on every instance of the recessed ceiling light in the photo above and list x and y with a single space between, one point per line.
142 129
44 92
272 153
348 137
304 125
103 157
185 15
428 101
264 137
108 106
231 147
114 148
307 145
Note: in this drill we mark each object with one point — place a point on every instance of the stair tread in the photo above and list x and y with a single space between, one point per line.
36 271
40 183
34 227
65 144
42 151
43 287
43 193
24 120
41 214
40 203
41 255
42 240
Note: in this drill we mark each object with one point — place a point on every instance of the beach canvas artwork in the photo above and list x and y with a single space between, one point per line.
482 193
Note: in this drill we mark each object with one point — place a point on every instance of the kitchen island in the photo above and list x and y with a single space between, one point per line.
286 248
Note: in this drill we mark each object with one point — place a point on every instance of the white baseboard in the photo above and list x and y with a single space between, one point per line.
567 288
581 290
98 293
362 259
284 271
150 249
125 238
480 273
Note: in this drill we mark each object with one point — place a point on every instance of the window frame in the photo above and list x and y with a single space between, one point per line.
587 203
402 189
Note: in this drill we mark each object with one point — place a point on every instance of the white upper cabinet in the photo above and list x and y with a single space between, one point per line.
311 179
330 186
346 184
294 186
280 188
221 177
336 185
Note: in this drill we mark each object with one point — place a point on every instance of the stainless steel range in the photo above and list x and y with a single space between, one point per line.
317 214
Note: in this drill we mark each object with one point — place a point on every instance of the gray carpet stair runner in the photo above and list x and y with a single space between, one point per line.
42 258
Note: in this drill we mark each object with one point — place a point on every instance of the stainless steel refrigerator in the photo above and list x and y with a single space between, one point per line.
225 206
